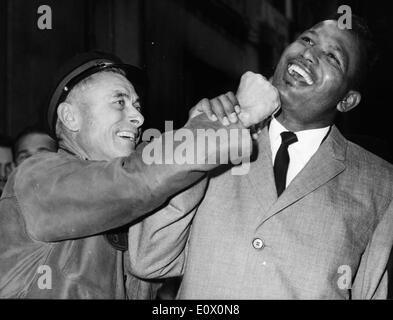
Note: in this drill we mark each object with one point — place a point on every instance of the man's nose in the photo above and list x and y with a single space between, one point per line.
309 54
135 117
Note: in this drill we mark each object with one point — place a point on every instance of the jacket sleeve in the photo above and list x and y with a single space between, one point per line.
158 245
64 197
371 280
139 289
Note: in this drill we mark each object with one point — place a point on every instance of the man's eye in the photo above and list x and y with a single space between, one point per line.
307 40
333 57
138 107
22 157
121 102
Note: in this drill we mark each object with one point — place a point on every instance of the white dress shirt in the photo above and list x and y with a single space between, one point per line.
299 152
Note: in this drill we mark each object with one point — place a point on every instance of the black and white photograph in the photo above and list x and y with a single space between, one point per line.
184 152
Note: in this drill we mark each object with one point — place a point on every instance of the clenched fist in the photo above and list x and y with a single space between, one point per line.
257 97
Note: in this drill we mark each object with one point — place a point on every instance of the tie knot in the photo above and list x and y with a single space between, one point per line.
288 138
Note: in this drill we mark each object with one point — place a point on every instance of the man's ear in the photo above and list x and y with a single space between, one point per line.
70 116
350 101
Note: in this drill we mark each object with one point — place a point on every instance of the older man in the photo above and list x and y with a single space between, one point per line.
56 207
313 219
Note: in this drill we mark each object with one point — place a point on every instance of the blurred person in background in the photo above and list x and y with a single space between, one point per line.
6 161
30 141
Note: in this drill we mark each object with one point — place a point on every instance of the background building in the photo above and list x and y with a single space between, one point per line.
190 50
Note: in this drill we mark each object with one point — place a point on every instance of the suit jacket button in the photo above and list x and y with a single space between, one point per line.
257 243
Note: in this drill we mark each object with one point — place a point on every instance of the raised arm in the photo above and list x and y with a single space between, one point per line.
158 245
63 197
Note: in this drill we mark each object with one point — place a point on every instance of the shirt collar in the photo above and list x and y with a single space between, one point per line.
310 136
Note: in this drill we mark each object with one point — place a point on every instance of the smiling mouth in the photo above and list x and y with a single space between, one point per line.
299 73
127 135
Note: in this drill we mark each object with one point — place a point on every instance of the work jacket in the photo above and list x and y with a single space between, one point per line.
56 208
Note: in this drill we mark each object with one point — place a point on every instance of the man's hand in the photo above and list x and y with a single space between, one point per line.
257 97
223 108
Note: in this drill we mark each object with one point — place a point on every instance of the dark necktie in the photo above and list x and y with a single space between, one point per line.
282 161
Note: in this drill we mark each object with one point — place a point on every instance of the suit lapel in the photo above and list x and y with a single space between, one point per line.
261 176
326 164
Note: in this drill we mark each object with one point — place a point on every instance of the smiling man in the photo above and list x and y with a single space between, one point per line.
313 219
321 70
57 208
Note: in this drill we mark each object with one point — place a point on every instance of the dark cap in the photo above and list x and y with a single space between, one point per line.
82 66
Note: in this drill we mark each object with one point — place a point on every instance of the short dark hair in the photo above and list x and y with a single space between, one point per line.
25 132
367 48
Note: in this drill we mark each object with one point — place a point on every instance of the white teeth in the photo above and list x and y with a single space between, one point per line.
295 68
126 134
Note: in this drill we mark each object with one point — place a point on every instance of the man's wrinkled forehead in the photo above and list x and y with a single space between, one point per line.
114 82
106 84
107 79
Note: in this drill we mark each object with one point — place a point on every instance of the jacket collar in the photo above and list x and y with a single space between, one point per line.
326 163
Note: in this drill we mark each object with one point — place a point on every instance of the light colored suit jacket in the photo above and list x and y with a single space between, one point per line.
328 236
